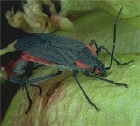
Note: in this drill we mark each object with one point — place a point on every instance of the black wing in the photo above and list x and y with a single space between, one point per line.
41 39
57 49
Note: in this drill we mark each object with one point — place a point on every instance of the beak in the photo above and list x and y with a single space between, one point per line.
104 74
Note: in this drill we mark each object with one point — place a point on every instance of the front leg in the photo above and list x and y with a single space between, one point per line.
75 72
98 51
104 79
23 69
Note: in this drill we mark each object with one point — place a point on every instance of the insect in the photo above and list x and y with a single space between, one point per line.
66 53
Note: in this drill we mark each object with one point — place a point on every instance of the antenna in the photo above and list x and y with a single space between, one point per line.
114 36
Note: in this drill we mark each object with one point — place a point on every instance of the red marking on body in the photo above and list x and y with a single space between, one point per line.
82 65
96 71
29 57
8 67
91 49
7 70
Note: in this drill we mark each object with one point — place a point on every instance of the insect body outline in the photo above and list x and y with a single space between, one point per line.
66 53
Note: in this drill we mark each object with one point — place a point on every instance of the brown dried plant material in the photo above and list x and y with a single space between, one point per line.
33 20
16 20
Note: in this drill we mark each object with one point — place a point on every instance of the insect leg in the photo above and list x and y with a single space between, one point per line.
93 42
45 77
41 78
118 63
104 79
15 79
29 99
86 96
36 80
33 85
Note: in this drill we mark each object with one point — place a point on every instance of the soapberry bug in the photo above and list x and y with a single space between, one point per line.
66 53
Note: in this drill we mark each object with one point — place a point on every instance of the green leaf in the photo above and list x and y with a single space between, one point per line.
131 9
